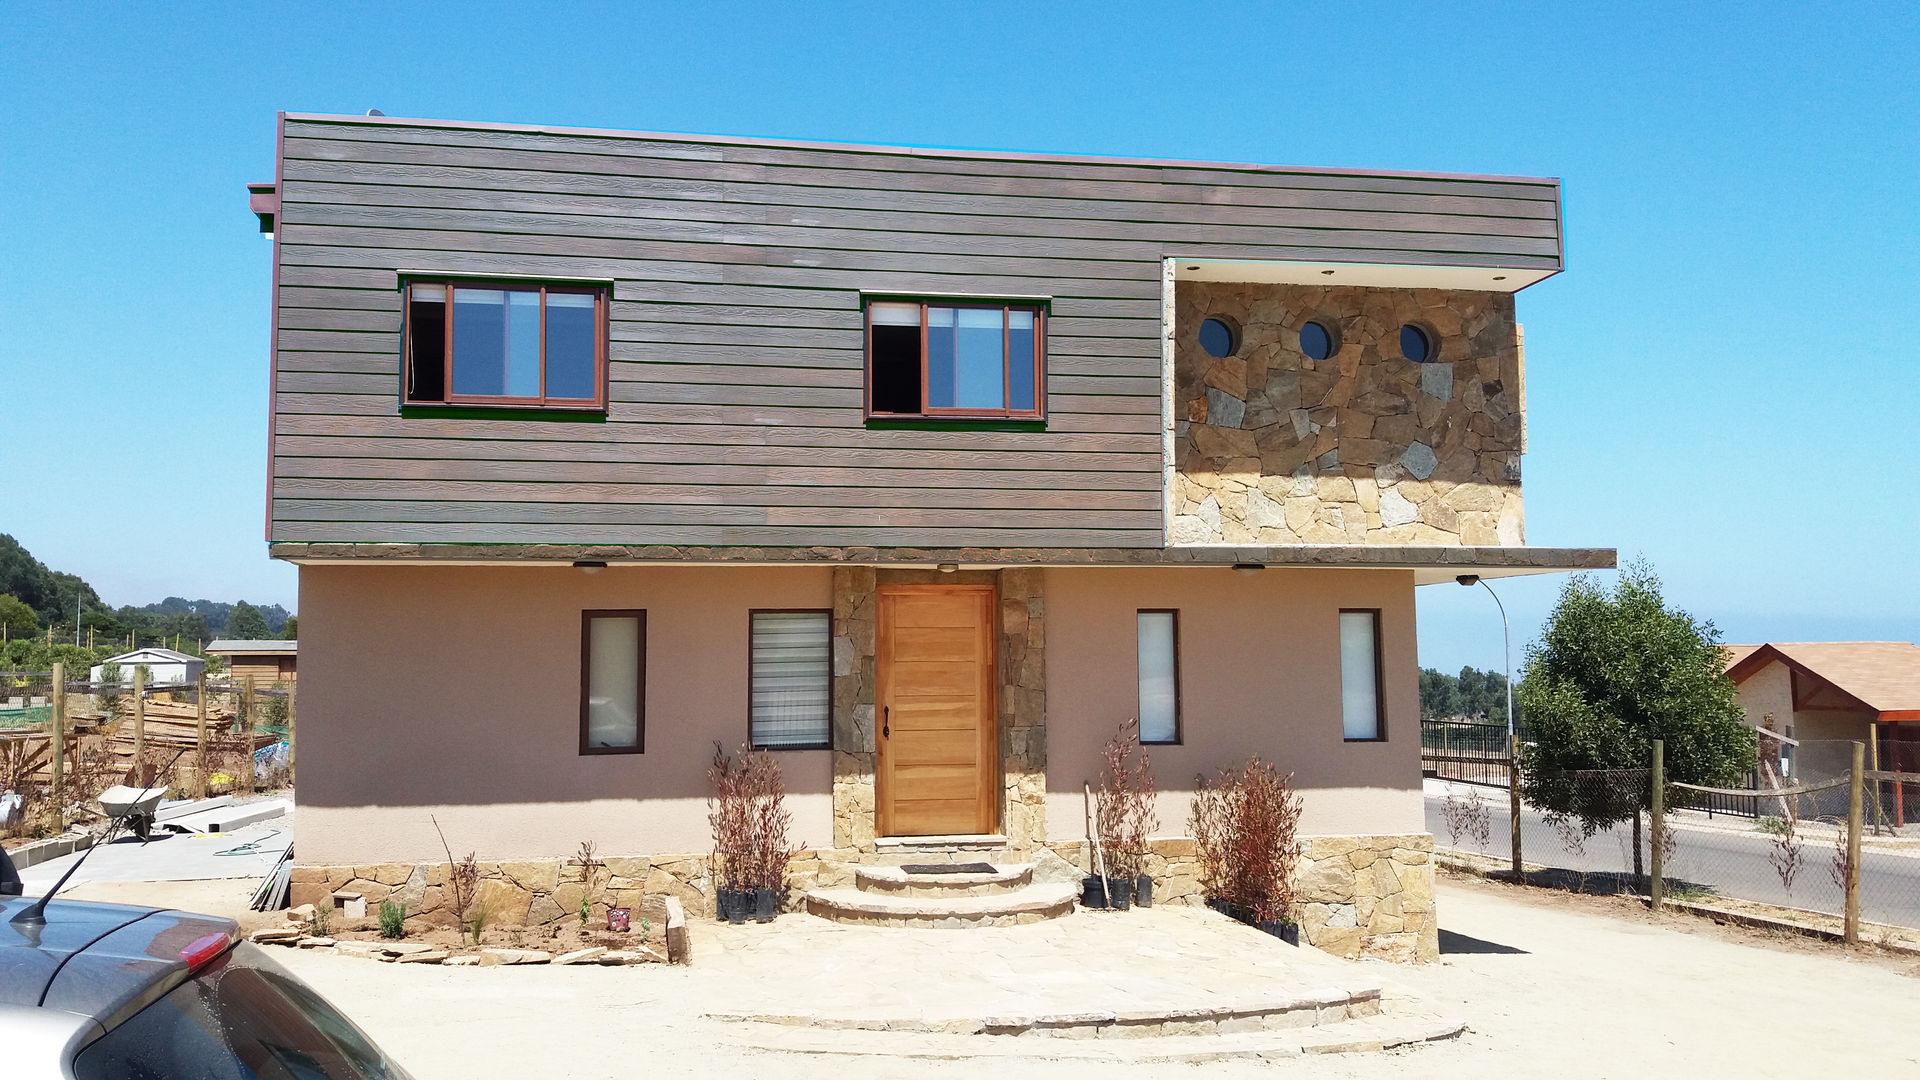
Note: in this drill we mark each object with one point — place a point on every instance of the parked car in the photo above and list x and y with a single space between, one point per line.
115 992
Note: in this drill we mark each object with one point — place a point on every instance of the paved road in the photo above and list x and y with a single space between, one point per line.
1733 863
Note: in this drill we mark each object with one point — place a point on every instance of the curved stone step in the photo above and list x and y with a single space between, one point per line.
1030 904
1271 1011
1359 1035
896 881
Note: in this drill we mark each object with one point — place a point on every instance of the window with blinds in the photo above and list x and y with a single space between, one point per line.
791 676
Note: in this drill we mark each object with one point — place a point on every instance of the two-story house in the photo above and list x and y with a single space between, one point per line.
924 468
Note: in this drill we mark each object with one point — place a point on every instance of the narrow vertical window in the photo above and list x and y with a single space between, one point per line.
1159 661
1360 675
790 663
613 681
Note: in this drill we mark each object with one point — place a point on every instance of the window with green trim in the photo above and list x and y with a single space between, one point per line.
489 343
955 360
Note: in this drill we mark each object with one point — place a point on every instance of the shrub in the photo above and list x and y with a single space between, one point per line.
1245 825
393 920
463 878
747 809
1124 816
590 868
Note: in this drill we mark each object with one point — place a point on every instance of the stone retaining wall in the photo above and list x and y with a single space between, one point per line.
1363 447
1355 895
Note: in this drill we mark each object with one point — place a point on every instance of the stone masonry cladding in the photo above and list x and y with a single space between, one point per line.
1363 447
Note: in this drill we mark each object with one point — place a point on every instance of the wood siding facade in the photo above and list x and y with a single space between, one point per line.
737 349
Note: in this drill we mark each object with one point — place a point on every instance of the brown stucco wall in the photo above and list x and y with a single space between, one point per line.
454 691
1259 659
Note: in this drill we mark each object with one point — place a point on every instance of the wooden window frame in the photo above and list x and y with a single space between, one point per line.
1039 410
586 680
602 305
1179 721
825 744
1379 680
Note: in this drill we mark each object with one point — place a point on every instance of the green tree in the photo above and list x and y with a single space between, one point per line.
17 617
292 630
1438 695
1609 674
246 624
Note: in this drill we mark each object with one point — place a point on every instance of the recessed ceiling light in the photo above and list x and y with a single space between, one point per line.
1326 271
1193 268
1499 277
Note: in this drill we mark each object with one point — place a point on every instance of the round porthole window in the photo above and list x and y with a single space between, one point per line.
1316 341
1415 345
1218 338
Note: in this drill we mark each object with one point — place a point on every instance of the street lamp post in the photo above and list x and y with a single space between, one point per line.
1513 737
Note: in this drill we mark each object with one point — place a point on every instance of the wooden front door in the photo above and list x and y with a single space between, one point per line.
938 767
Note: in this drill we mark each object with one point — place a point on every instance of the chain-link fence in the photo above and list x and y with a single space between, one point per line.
63 741
1785 845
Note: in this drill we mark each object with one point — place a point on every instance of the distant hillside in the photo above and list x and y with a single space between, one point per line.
52 595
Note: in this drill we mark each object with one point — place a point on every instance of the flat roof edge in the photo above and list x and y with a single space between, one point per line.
1349 556
960 153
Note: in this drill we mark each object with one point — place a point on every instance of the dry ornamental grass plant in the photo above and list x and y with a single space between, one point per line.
590 868
747 810
1124 816
1245 826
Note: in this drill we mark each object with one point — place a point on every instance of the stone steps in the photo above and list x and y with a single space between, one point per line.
1354 1035
895 881
1027 904
1311 1007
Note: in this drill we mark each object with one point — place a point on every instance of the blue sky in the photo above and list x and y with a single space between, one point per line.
1724 381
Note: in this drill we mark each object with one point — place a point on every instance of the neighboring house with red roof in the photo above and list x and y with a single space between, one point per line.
1824 694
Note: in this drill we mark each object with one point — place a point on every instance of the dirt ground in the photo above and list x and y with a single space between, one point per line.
1551 984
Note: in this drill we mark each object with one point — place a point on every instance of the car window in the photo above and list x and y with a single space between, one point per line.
241 1018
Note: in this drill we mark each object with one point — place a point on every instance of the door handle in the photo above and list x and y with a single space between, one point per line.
886 722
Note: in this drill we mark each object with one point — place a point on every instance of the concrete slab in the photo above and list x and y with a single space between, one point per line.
248 852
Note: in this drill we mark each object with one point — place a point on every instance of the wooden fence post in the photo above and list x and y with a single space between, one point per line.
1854 816
140 776
1513 805
1657 887
290 688
200 729
57 752
246 734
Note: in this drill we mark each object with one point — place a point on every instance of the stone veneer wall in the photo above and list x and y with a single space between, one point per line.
1021 698
1353 895
1364 447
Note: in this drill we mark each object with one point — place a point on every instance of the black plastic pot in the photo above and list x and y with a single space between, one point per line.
734 905
766 904
1092 894
1120 893
1143 891
1283 929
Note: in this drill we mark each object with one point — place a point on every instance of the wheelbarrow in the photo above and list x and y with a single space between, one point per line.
132 807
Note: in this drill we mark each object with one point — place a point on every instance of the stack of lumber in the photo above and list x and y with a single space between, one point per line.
170 727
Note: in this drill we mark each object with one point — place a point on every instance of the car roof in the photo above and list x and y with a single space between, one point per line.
100 960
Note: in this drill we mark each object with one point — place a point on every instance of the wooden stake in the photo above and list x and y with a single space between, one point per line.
246 734
140 726
57 759
200 720
1852 930
290 744
1657 887
1513 804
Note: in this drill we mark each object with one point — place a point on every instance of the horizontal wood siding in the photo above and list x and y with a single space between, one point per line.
736 353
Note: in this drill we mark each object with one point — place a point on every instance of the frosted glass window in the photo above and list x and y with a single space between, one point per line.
792 683
612 713
1360 674
1159 678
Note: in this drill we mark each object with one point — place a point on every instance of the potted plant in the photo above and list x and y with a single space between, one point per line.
1124 817
1245 826
747 810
